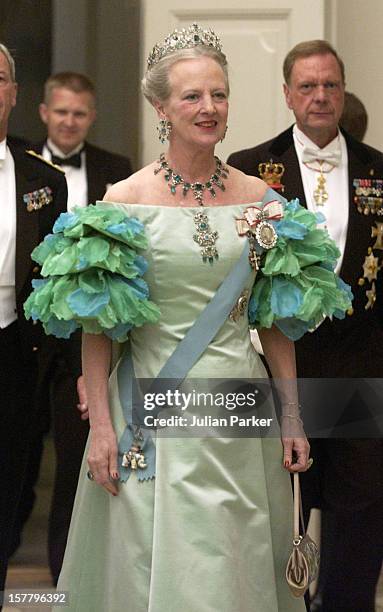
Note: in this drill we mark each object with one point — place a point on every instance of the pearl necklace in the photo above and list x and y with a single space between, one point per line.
174 179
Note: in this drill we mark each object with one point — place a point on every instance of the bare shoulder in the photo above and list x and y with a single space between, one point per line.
131 190
252 188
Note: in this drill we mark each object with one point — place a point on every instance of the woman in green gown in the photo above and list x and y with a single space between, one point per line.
211 530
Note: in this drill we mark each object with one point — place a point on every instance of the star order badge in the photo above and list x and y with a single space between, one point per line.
272 173
371 267
371 297
35 200
377 232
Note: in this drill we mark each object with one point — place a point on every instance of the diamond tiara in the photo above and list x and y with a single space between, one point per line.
184 39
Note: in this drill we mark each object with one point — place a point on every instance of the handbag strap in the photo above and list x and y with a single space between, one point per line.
298 508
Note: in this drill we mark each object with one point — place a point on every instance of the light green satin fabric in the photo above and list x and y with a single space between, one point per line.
212 532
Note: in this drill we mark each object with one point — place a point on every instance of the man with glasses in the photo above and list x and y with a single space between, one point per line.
333 174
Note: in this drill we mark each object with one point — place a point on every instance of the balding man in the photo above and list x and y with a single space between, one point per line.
330 172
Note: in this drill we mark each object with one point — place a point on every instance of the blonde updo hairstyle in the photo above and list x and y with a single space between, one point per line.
155 84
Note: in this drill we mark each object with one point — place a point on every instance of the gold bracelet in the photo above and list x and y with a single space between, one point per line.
292 416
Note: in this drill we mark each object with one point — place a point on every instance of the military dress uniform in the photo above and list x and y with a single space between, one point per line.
346 480
41 195
58 401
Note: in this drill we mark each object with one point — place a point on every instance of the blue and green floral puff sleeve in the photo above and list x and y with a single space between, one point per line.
296 286
92 275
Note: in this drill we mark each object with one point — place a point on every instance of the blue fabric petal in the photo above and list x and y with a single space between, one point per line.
286 298
132 224
253 309
60 328
64 221
118 331
141 264
320 217
291 229
139 287
37 283
328 265
293 205
85 304
82 263
292 328
344 287
339 314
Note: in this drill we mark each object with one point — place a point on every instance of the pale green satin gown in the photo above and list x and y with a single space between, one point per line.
212 531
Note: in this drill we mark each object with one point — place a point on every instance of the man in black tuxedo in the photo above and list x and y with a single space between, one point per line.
68 110
32 194
330 172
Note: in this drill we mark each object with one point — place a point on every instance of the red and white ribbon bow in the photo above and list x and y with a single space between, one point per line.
253 215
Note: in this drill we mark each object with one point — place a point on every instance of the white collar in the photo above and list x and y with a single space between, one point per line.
56 151
304 141
3 149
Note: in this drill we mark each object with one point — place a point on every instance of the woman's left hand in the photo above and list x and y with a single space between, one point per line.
296 448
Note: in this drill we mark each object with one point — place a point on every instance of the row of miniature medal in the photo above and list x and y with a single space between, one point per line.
368 196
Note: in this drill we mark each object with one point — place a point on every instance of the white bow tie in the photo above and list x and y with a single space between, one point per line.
331 157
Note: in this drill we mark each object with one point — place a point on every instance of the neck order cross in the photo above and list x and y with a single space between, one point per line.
320 194
175 179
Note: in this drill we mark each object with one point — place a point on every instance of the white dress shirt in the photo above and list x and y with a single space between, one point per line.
7 237
75 177
335 209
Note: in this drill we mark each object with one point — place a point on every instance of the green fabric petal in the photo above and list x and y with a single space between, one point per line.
93 271
307 262
92 281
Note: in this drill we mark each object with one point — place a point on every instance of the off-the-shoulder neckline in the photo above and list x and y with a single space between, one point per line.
178 207
273 194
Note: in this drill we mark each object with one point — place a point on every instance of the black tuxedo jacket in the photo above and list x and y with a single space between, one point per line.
352 347
31 227
102 169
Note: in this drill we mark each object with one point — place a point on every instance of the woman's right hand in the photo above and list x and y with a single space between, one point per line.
102 457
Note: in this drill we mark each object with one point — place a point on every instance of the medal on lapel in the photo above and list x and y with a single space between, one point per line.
255 223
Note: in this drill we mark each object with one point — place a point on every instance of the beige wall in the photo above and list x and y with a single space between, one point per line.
102 38
359 40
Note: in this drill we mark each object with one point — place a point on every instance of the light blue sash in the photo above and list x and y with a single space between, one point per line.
187 353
